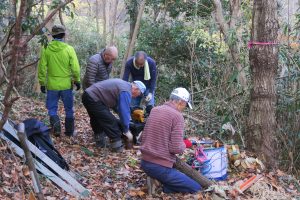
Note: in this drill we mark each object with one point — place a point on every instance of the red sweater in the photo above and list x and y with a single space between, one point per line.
162 137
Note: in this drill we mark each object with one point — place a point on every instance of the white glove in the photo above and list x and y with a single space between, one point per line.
148 97
129 135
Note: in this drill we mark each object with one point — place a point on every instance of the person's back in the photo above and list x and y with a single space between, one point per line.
163 122
162 139
108 91
59 62
57 71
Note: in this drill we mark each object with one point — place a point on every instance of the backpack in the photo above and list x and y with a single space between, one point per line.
39 135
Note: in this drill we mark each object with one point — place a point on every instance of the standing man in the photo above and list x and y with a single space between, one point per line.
99 66
162 139
115 94
57 71
142 68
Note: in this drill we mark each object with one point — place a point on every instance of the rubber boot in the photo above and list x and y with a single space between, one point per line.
117 146
69 127
55 125
101 140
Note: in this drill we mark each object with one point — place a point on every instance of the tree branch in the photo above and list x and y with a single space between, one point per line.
40 26
6 38
61 17
8 101
28 65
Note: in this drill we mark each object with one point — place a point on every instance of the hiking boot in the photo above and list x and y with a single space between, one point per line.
117 146
69 127
55 125
101 140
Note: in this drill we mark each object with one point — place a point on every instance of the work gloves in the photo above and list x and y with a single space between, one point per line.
148 97
78 86
43 89
129 135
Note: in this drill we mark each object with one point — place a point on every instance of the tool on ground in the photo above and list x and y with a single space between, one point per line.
136 126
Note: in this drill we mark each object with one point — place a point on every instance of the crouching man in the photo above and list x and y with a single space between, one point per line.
116 94
162 138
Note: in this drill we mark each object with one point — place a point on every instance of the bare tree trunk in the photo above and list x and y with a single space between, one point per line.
114 22
192 173
263 65
132 7
225 29
104 33
8 100
129 51
97 22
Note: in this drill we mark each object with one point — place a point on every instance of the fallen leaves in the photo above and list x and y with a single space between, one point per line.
111 175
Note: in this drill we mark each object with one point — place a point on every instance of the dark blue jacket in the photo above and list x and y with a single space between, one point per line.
138 74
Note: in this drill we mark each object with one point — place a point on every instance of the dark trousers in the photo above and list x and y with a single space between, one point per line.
173 180
101 119
53 97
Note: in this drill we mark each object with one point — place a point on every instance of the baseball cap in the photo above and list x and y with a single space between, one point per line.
58 29
141 86
183 94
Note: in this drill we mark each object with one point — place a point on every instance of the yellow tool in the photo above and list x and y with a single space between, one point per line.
138 115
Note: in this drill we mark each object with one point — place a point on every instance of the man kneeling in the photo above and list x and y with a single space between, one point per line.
162 138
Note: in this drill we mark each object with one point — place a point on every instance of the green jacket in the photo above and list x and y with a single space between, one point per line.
58 66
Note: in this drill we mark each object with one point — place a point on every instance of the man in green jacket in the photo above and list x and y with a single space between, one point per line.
58 70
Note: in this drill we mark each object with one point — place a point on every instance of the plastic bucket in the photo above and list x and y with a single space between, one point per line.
216 165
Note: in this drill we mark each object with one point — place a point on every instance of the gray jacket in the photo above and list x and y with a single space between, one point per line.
96 70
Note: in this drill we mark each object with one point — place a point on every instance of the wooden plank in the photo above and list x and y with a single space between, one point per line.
62 173
42 168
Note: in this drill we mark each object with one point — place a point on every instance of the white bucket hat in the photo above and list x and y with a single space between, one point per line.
183 94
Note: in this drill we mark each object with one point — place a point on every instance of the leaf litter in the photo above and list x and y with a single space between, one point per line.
117 176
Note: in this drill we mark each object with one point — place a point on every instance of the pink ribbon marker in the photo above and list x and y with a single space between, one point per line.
251 43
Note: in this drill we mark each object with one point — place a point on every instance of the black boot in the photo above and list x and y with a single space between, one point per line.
69 127
101 140
55 125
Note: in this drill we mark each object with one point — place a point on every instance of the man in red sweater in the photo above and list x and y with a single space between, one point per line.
162 138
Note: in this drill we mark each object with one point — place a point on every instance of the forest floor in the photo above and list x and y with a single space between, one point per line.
116 175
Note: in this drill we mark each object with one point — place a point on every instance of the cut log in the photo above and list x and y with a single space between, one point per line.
192 173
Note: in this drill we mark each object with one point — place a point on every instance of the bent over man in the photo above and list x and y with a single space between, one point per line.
115 94
57 71
162 138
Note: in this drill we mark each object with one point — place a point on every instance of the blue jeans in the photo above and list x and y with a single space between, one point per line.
136 102
53 97
172 180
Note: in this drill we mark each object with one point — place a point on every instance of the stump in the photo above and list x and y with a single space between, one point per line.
192 173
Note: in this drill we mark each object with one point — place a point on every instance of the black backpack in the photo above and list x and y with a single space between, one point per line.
39 135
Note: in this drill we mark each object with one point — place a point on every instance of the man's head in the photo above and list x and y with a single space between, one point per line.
58 32
137 88
140 58
181 97
110 54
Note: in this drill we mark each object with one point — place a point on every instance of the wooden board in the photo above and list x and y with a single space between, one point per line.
8 127
40 167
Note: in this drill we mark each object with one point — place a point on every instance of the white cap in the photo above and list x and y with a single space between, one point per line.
183 94
141 86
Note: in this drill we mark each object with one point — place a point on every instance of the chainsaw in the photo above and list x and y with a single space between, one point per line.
137 124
